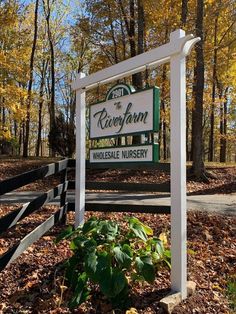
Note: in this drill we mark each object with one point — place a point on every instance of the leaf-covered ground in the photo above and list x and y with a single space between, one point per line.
224 181
34 282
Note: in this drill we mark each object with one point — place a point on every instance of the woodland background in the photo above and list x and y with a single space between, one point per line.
44 43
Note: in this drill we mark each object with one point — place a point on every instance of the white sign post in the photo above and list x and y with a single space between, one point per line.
174 52
80 155
178 169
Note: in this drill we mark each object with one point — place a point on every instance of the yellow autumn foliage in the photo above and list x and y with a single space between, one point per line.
132 310
15 47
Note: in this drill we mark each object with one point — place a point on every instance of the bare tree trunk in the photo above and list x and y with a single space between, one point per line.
184 12
137 78
184 15
141 28
130 29
221 123
3 116
113 35
223 126
41 101
163 106
212 119
47 11
197 143
20 141
162 137
224 146
15 128
123 40
28 107
23 132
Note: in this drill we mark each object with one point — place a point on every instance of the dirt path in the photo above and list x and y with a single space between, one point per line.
219 203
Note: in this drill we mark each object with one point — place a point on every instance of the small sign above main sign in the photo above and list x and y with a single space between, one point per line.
123 115
144 153
119 90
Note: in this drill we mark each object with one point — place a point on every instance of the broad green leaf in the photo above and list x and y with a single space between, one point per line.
122 258
138 264
167 253
65 234
145 268
91 265
105 282
109 229
119 281
111 281
155 257
159 247
103 270
139 231
81 291
73 245
114 283
136 277
167 263
147 229
71 273
78 243
136 221
127 249
90 246
90 225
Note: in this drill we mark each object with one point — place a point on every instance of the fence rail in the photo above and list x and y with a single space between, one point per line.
18 214
31 237
61 167
11 219
164 166
23 179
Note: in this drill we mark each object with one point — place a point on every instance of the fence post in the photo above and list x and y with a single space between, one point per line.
63 179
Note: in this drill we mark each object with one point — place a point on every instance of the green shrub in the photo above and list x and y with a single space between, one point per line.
111 257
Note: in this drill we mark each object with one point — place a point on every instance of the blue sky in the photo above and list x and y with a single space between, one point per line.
74 6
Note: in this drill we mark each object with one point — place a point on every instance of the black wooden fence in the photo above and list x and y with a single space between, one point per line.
61 167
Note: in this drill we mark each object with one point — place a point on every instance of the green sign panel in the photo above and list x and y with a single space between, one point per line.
125 112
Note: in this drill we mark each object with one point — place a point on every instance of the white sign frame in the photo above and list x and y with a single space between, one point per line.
174 52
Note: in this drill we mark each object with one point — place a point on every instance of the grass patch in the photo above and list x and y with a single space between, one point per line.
231 292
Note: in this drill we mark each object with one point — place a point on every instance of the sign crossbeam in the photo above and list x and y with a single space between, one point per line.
174 52
149 59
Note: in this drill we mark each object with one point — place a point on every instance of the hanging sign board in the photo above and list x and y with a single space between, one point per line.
125 114
139 153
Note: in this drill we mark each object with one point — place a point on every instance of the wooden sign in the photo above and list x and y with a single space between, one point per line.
133 113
